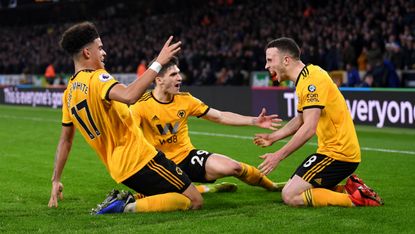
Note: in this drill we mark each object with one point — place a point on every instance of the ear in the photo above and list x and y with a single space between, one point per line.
86 53
159 80
286 60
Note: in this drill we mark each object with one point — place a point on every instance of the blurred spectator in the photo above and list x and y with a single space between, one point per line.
367 80
408 53
362 60
50 74
349 54
353 77
217 35
393 51
384 75
141 68
374 54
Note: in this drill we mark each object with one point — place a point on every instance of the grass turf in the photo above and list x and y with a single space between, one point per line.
28 139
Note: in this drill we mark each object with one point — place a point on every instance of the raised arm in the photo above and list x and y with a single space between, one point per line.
230 118
131 93
62 153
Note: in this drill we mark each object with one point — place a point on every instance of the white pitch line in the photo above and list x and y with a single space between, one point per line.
29 118
218 135
309 143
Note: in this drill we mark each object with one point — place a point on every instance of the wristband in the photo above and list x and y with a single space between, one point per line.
155 66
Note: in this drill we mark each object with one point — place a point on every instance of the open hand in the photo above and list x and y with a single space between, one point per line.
55 194
168 51
270 162
271 122
262 140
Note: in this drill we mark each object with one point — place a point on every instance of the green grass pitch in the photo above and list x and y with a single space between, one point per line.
28 139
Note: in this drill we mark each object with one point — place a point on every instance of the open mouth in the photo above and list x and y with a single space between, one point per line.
273 75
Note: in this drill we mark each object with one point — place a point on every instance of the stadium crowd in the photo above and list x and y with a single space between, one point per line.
223 40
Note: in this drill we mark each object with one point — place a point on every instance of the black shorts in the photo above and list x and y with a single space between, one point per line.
194 165
324 172
160 175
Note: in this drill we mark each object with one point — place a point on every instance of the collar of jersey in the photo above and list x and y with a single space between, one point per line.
298 77
84 70
161 101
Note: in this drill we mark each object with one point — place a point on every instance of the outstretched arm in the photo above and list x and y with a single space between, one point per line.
230 118
62 153
303 134
131 93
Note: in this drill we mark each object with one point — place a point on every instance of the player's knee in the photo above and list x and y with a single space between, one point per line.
229 168
288 197
291 198
236 168
285 197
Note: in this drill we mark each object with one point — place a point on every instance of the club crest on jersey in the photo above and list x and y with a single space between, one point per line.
181 114
179 171
104 77
311 88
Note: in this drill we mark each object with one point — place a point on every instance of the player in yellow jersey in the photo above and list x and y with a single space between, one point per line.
163 114
322 111
97 105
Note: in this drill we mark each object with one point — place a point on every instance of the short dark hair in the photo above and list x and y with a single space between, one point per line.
287 45
173 61
77 36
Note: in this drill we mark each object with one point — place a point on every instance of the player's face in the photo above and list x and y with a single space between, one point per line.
274 63
98 53
172 80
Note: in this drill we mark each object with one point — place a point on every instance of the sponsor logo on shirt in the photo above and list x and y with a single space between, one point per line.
312 97
311 88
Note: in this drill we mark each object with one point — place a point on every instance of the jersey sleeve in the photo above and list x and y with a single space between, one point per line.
313 93
197 107
66 114
104 83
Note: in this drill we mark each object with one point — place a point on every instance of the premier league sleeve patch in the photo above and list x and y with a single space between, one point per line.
104 77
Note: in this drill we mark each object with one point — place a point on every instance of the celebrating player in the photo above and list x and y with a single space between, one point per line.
163 114
95 103
322 111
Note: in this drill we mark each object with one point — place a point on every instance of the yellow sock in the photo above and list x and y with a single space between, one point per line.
163 202
253 176
319 197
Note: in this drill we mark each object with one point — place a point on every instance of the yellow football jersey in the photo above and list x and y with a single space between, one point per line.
165 124
335 131
106 125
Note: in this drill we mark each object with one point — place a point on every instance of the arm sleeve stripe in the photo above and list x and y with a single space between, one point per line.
204 113
108 92
315 106
67 124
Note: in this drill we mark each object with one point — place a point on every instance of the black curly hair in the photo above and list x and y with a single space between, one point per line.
77 36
